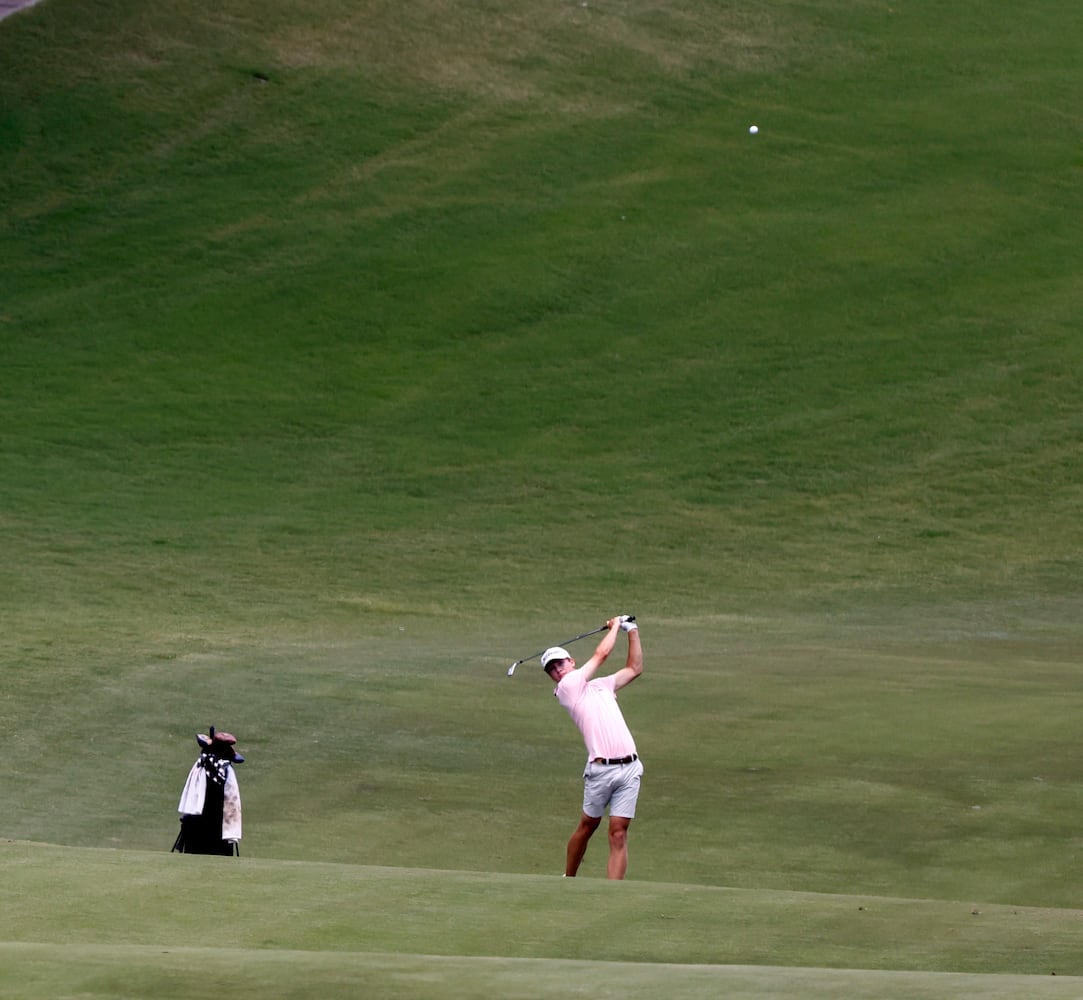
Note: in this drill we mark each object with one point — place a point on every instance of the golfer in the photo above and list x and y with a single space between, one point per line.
613 769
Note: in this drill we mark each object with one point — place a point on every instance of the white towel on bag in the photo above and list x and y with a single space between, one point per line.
194 793
231 809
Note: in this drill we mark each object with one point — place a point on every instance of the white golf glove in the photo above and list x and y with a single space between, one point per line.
626 624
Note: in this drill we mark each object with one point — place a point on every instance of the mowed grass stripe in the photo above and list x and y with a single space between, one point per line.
134 898
42 972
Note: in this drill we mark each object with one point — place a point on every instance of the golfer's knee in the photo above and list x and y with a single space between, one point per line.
588 824
618 837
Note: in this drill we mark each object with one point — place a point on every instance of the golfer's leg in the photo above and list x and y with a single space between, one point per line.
618 846
577 844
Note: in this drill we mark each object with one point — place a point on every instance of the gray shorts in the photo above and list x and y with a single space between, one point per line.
612 785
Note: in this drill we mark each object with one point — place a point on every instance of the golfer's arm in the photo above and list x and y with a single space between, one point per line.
601 654
633 667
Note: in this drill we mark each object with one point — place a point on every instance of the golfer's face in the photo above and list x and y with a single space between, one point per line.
565 668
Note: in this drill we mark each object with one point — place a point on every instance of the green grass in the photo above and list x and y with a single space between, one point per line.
38 969
349 351
296 929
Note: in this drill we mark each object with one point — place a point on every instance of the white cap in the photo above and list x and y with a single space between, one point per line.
554 653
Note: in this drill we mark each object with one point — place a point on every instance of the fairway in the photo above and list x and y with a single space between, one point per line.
287 929
351 350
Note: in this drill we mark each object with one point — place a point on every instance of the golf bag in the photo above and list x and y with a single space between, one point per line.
210 804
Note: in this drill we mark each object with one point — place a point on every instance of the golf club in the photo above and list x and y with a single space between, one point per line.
593 631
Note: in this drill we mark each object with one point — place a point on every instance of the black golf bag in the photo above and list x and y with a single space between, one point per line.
210 804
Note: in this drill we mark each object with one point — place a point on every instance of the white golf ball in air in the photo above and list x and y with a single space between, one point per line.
753 129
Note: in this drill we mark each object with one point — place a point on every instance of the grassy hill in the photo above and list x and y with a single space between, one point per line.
350 351
258 274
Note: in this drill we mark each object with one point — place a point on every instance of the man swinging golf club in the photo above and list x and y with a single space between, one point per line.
613 769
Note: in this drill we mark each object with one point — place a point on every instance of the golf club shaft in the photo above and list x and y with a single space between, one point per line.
593 631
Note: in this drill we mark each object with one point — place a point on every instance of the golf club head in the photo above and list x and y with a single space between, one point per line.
511 669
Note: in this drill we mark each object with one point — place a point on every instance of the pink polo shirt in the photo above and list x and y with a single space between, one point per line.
593 708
